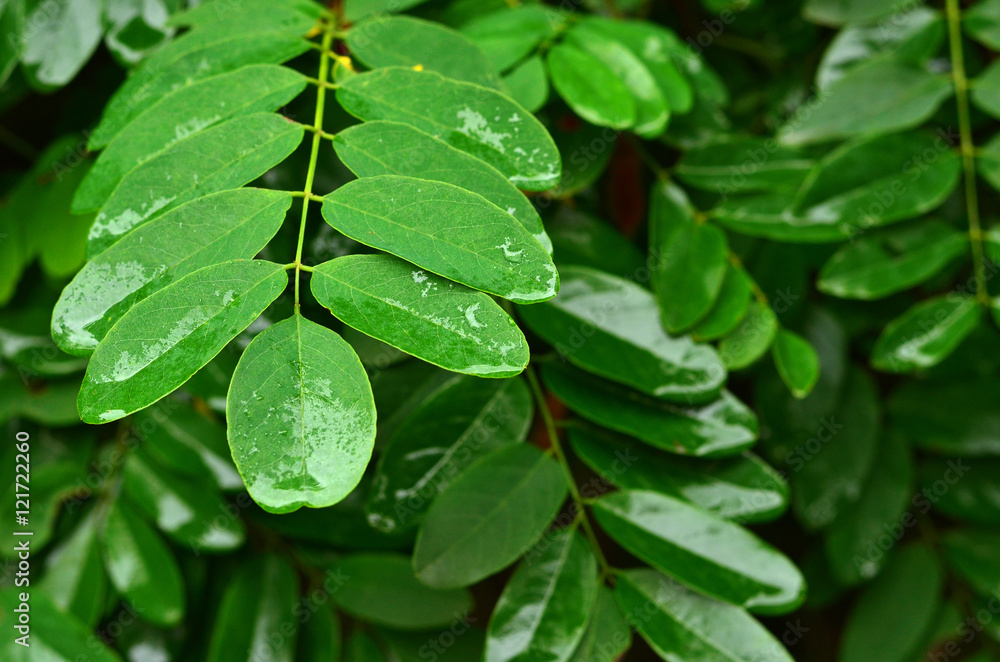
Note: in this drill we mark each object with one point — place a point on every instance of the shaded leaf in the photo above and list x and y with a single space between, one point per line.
925 334
796 361
607 634
951 417
590 87
751 338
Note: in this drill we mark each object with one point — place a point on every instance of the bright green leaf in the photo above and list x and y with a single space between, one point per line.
590 87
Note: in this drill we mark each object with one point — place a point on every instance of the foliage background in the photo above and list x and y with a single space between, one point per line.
891 459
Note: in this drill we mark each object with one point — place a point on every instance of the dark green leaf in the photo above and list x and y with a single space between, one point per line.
731 306
855 542
386 41
586 240
982 22
893 616
839 12
724 427
925 334
651 109
191 513
676 619
607 634
751 339
610 326
744 489
951 417
258 614
217 228
74 574
709 554
972 554
301 417
447 230
164 339
590 87
488 517
241 150
319 637
876 266
472 118
963 490
877 97
141 567
796 361
462 420
742 165
382 589
543 611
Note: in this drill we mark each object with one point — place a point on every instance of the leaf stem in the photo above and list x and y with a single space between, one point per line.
557 451
317 129
968 148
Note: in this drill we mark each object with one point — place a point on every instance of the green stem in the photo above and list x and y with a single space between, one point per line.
954 13
557 451
317 129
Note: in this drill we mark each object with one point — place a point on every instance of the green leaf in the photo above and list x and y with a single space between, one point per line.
543 611
448 231
651 109
428 317
925 334
488 517
984 91
358 9
988 161
854 543
861 185
188 443
972 554
878 97
386 41
586 240
468 643
751 339
982 22
259 612
192 513
590 87
360 646
301 417
390 148
950 417
510 35
50 484
382 589
744 489
142 568
74 576
461 421
292 15
241 150
881 264
973 494
610 327
680 620
59 38
54 634
11 23
660 51
709 554
319 637
839 12
912 37
528 84
607 634
472 118
217 228
690 260
724 427
196 55
182 114
731 306
742 165
796 361
893 616
164 339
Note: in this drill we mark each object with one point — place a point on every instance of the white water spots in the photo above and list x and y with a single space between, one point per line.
421 278
129 364
97 291
514 118
476 126
470 316
193 125
112 415
512 211
507 252
127 219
